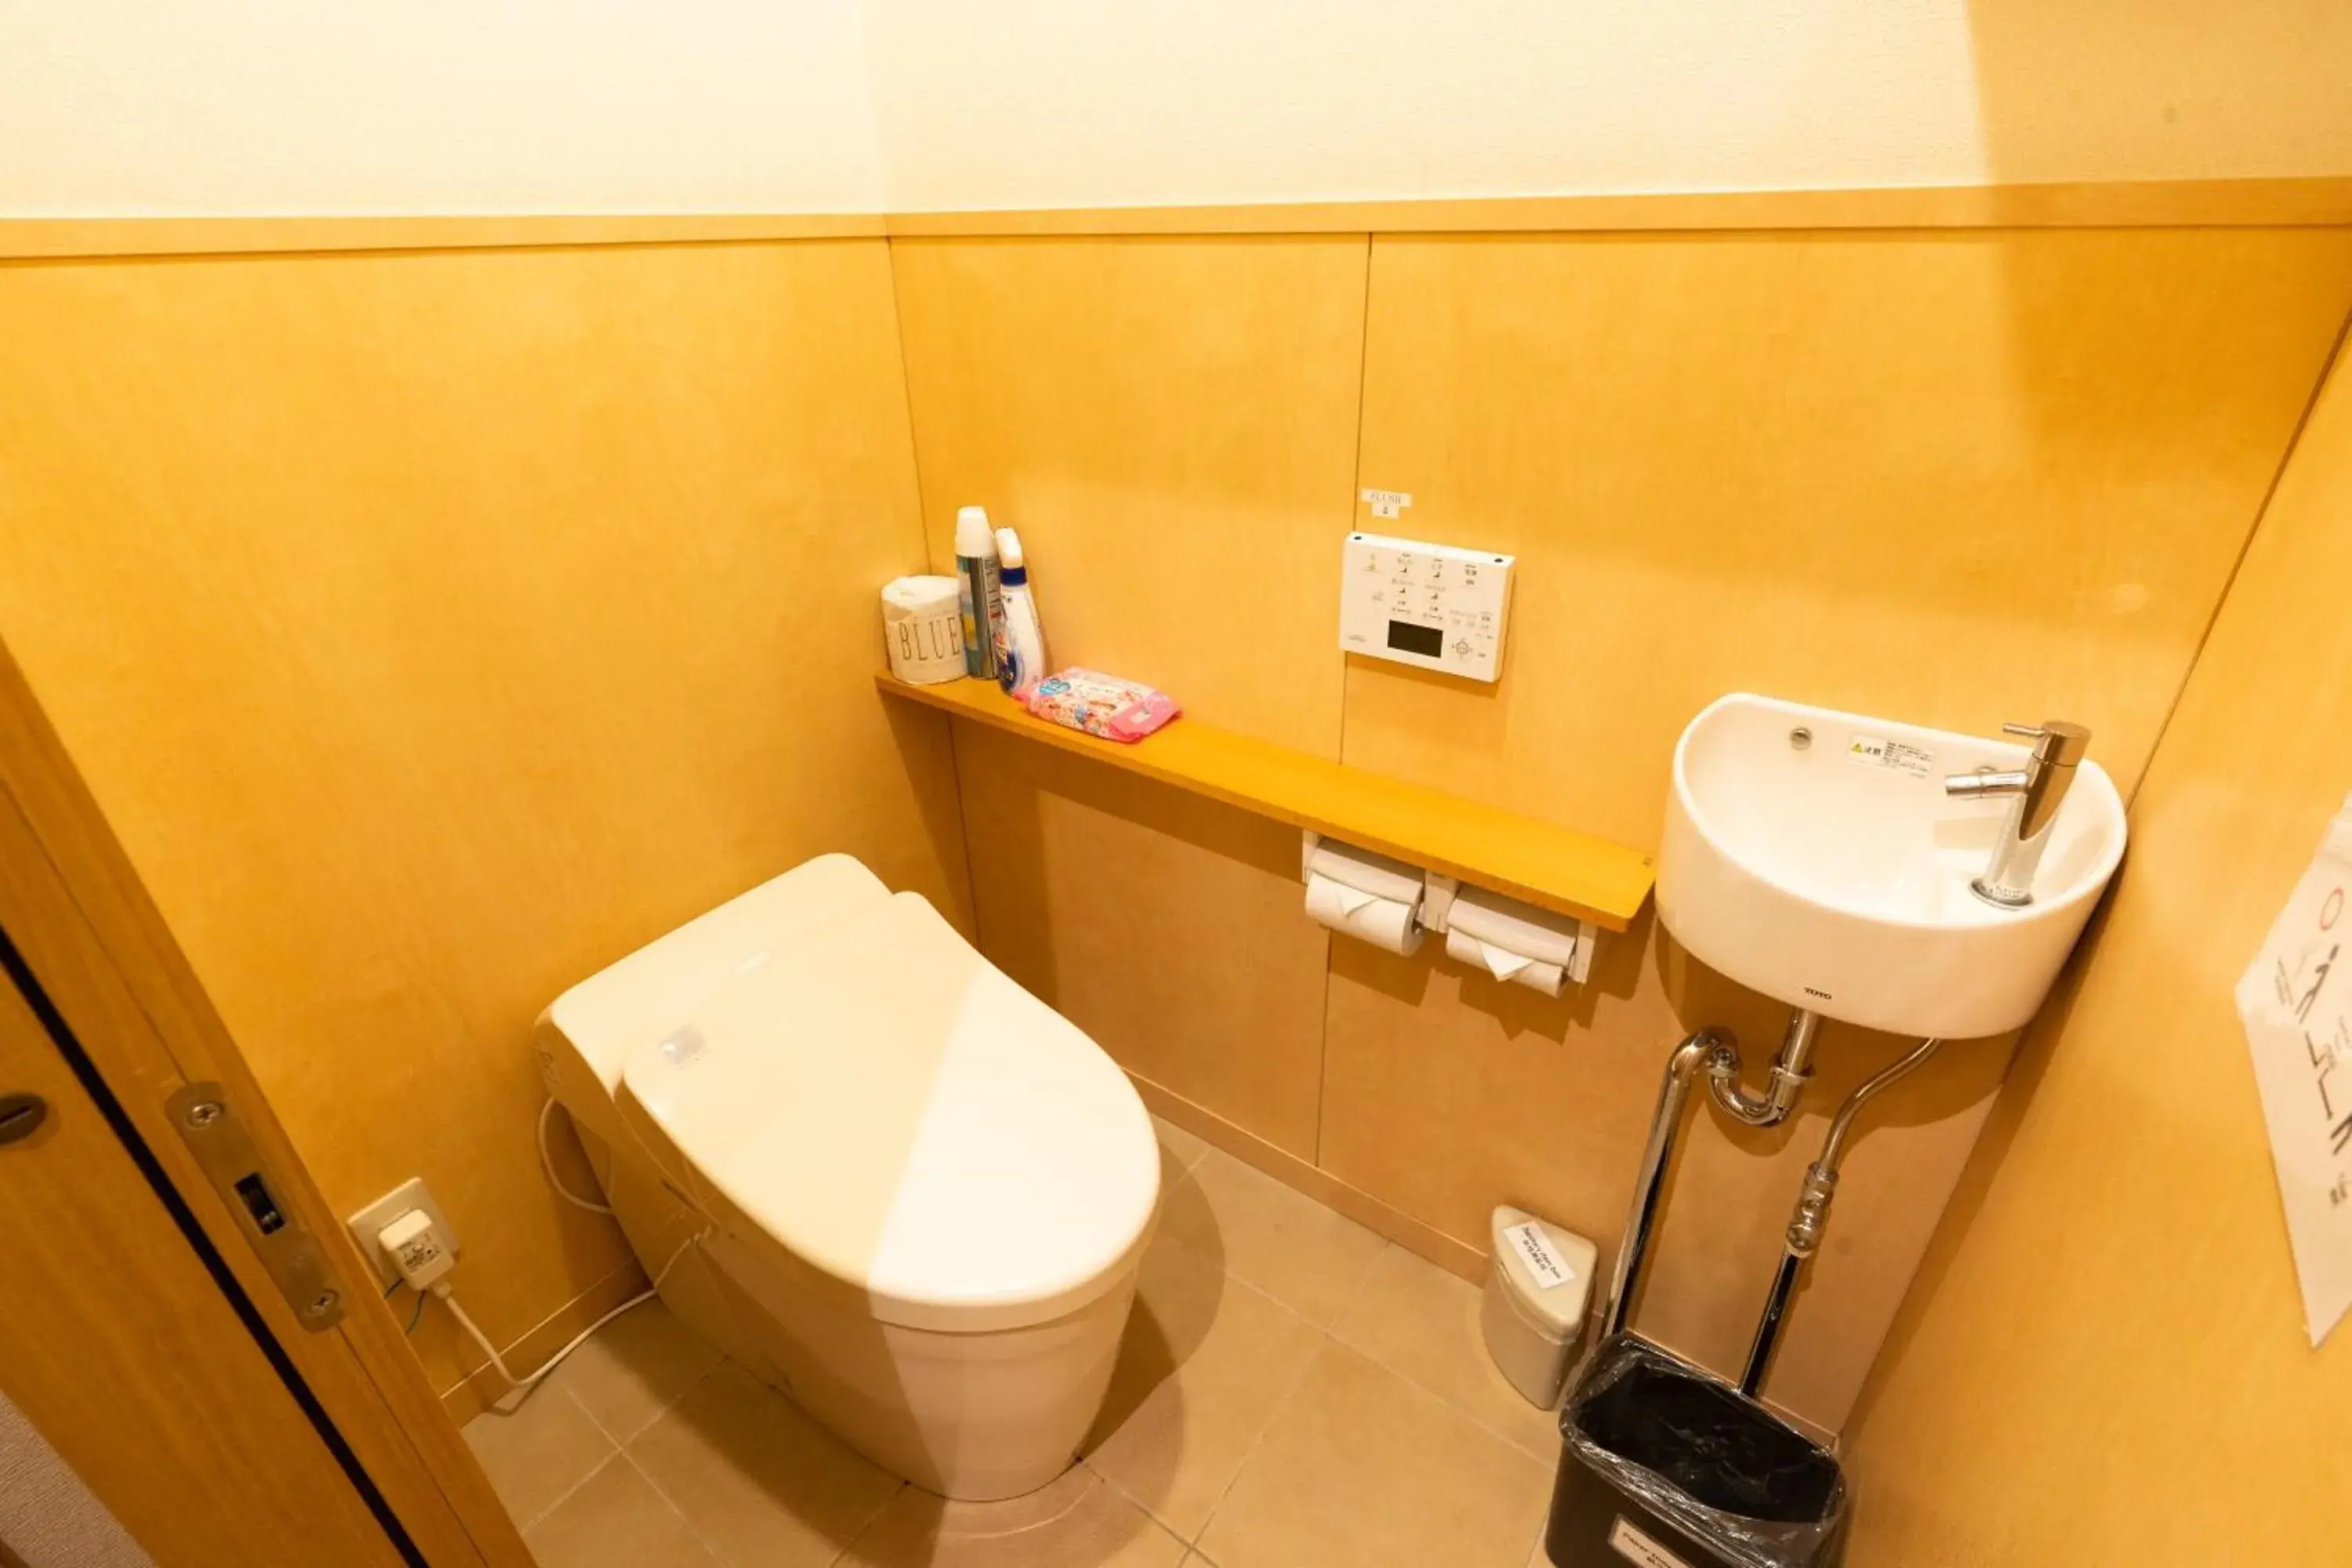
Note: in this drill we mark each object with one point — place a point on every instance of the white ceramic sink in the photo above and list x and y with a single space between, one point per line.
1835 876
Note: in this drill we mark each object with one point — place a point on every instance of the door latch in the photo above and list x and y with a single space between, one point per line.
298 1265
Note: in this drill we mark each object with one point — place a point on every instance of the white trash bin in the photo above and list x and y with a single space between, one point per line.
1538 1288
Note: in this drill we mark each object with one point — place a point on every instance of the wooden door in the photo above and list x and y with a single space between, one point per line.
126 1354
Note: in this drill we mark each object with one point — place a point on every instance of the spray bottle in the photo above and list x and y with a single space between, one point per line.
1021 652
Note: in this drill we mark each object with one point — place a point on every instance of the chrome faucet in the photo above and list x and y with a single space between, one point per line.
2038 789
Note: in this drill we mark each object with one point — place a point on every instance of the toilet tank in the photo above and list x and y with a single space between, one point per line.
586 1035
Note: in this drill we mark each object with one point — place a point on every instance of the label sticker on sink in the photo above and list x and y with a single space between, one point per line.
1878 752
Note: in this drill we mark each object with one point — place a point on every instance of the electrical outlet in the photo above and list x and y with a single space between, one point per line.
365 1225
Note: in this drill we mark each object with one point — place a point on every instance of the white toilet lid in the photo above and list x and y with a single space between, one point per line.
893 1109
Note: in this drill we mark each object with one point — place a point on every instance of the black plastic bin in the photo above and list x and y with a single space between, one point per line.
1667 1466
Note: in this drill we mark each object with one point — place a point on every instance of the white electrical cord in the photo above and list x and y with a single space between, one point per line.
448 1299
499 1362
547 1165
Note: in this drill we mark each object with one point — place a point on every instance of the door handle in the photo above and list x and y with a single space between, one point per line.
21 1116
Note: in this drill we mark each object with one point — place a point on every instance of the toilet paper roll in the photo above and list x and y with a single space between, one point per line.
1365 871
1512 940
923 626
1389 923
1504 965
1508 923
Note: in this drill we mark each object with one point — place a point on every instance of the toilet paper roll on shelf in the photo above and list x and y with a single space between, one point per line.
1358 893
1517 942
922 625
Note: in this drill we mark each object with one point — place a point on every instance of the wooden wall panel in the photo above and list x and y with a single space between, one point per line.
1166 926
1952 479
1955 478
1447 1093
304 541
2105 1358
435 628
1170 423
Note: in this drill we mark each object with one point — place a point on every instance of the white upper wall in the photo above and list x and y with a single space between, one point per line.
1075 102
143 107
1012 103
129 107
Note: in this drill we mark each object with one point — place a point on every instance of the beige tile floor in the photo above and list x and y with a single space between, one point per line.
1293 1392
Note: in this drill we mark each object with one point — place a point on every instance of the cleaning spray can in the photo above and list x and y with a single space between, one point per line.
978 592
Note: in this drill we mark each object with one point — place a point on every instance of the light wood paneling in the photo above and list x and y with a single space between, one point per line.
2105 1360
1573 873
2091 204
612 519
2137 203
1171 426
1956 478
91 238
1950 479
1167 926
1306 1176
1448 1092
434 629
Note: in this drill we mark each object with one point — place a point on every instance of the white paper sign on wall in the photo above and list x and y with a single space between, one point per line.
2295 1001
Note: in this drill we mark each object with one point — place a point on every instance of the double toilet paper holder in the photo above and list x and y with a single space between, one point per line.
1392 905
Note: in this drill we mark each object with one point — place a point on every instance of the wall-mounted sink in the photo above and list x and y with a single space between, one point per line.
1815 856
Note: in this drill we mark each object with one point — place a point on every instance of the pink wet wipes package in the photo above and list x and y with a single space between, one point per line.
1102 704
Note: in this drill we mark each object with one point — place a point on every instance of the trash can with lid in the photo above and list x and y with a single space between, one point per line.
1539 1284
1665 1465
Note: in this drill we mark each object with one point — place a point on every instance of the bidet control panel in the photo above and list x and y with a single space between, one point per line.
1436 605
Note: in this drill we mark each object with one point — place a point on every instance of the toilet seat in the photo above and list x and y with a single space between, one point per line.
879 1104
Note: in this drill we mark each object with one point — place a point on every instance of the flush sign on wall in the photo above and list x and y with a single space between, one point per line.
1436 605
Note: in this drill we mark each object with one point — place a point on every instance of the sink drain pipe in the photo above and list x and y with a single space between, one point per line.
1791 1070
1804 1234
1716 1051
1650 1185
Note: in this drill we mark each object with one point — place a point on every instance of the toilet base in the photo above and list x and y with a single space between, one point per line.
974 1417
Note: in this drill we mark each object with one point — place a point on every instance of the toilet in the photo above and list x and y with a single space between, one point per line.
856 1156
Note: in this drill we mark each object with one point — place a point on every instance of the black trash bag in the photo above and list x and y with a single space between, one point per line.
1686 1463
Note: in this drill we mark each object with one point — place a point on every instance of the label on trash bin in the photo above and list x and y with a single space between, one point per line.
1636 1547
1534 1247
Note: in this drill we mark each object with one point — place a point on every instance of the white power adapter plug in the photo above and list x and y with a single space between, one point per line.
418 1248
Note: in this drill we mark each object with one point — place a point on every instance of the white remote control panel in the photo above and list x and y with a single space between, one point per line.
1436 605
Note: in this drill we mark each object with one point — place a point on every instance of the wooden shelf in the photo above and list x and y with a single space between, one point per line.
1556 868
